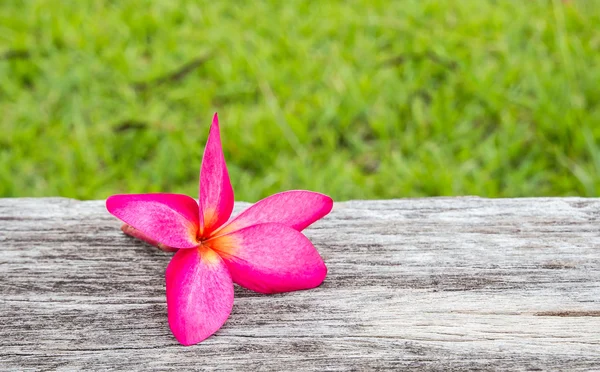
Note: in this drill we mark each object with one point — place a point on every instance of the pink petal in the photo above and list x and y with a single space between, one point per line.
199 294
296 209
270 258
170 219
216 194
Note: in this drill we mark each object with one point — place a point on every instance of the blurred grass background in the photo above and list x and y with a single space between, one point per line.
357 99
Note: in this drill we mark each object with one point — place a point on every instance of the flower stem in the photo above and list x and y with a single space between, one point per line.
132 231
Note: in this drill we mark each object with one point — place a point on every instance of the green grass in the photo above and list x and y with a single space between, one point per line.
357 99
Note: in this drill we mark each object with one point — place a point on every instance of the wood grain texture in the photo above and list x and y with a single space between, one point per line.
428 284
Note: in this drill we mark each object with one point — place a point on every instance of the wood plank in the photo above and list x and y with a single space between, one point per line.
430 284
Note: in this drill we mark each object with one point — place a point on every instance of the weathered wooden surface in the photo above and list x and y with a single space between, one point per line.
431 284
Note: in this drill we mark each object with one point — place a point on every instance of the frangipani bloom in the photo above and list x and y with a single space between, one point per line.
261 249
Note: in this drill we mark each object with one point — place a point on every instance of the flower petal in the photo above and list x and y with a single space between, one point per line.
199 294
270 258
216 194
170 219
296 208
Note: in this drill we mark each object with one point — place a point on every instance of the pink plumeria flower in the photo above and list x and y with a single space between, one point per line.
261 249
